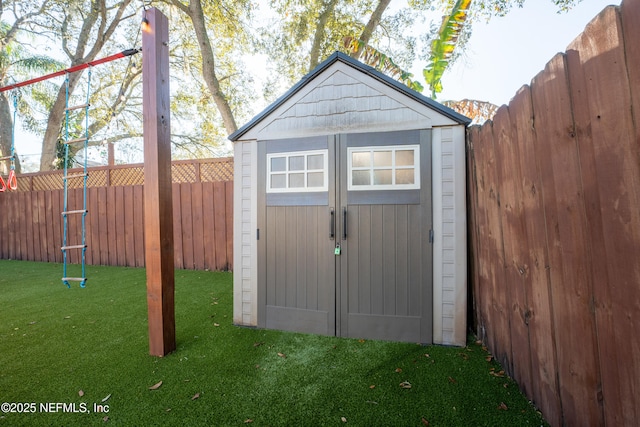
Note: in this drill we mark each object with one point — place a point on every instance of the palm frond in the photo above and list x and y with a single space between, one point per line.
381 62
442 48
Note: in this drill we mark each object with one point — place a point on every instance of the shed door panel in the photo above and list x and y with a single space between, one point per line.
386 261
296 260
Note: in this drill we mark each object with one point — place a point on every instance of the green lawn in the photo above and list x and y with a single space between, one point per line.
60 347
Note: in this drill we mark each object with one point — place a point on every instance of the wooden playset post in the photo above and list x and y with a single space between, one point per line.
158 207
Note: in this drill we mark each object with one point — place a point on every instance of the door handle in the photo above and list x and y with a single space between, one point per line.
332 224
344 223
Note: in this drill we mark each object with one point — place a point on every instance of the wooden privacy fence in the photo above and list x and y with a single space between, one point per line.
554 192
31 222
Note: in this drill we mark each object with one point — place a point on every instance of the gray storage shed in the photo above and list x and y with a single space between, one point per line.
350 217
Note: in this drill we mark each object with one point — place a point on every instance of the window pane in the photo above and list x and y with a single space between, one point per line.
361 178
278 164
405 176
315 161
404 158
278 181
382 158
360 159
296 163
296 180
382 177
315 179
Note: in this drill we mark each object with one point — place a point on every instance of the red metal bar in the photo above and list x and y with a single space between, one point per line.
73 69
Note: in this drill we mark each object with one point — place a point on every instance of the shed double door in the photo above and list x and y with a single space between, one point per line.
344 235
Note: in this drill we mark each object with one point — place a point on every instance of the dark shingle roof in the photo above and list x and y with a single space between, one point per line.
339 56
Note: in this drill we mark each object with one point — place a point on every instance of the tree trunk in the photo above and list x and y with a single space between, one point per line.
6 133
196 14
371 26
55 125
319 36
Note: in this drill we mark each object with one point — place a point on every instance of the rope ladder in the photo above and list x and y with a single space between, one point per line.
79 242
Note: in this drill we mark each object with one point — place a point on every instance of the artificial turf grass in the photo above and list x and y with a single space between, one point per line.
55 342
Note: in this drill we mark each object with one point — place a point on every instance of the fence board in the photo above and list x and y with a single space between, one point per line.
121 236
220 242
56 197
30 209
209 225
40 227
48 227
228 220
139 228
129 226
31 246
187 225
198 229
177 230
514 238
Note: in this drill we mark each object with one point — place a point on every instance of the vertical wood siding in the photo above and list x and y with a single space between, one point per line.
554 193
31 220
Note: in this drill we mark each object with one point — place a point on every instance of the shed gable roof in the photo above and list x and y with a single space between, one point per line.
333 98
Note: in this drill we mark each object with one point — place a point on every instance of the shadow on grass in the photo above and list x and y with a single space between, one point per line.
81 356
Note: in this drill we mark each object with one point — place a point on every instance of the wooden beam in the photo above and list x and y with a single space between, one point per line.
158 214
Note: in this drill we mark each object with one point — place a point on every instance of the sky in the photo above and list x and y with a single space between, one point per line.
502 55
507 53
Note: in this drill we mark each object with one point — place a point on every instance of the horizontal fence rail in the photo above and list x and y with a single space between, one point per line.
31 220
554 196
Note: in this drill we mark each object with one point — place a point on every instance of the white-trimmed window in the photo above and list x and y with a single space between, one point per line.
299 171
394 167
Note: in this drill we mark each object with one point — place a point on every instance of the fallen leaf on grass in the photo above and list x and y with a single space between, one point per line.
195 396
344 420
258 344
488 358
361 341
155 386
372 386
80 393
452 381
216 324
106 398
502 406
424 421
498 374
284 356
398 370
464 356
105 419
405 384
248 421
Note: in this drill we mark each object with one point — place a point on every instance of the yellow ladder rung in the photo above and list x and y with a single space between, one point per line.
64 248
78 211
74 279
77 107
